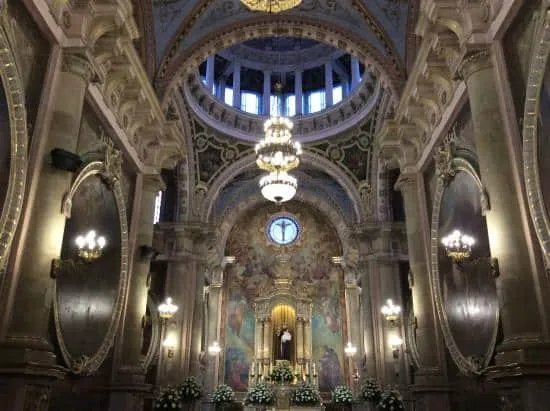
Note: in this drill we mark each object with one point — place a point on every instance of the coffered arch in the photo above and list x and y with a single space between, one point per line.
288 25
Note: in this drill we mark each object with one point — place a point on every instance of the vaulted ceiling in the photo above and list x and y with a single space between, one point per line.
170 27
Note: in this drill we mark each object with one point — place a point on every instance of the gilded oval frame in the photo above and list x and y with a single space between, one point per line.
531 172
85 365
14 90
153 352
464 364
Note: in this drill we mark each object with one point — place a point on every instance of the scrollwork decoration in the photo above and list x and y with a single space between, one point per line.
467 365
152 354
109 171
531 172
15 95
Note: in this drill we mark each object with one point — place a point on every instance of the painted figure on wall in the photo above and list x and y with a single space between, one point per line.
253 274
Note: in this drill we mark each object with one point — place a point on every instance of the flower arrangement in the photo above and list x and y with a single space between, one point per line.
168 397
260 393
190 390
342 395
224 393
391 400
371 391
306 394
282 373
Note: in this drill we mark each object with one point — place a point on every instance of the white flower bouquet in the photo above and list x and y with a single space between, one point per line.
342 395
391 401
223 394
260 393
168 398
305 394
371 390
190 390
282 373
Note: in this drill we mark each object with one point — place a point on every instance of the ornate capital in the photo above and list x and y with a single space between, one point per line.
444 163
153 183
474 62
405 181
77 64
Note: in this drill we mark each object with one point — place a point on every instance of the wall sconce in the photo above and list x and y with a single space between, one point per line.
170 344
395 343
214 348
167 309
90 246
458 246
391 312
350 350
338 260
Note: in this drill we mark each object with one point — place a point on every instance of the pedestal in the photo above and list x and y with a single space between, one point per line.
283 393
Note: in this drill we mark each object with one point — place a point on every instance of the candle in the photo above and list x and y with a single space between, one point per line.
314 371
253 368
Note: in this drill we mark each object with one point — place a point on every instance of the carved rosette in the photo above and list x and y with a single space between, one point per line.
109 170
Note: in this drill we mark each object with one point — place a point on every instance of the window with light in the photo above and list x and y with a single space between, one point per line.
158 205
250 102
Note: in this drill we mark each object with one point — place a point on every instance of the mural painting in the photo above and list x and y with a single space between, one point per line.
252 276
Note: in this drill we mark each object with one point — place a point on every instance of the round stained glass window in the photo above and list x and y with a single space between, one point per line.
283 230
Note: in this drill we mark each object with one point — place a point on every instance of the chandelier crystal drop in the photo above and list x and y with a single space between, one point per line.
277 152
458 246
278 186
271 6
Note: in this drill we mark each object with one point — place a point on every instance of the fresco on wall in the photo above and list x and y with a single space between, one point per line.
468 290
253 273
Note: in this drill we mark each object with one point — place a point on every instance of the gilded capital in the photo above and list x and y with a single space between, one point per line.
77 64
474 62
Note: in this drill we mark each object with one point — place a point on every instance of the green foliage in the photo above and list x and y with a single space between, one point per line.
306 394
282 373
342 395
223 394
260 393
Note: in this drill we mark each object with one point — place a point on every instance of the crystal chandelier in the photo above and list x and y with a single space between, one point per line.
276 152
271 6
278 186
458 246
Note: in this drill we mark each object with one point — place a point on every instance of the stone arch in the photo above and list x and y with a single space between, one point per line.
309 158
296 26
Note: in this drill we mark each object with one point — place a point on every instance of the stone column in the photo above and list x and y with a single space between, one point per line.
129 385
220 91
353 294
368 345
521 285
355 73
268 335
266 96
298 91
185 283
329 85
210 72
27 359
300 340
307 340
213 327
430 378
237 85
259 339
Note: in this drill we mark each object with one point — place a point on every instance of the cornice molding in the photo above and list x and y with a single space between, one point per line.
108 31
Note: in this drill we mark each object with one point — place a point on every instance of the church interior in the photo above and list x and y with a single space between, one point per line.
295 205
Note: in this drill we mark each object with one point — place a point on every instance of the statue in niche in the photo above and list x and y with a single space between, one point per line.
285 337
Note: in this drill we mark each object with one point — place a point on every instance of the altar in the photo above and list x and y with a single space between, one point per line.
283 333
